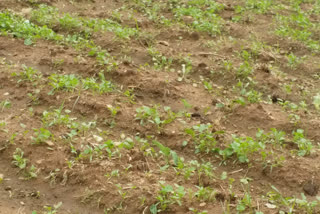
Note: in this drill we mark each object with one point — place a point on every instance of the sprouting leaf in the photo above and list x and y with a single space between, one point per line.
175 158
224 175
153 208
28 41
165 150
316 101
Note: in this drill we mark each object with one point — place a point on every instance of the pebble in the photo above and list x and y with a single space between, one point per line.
49 143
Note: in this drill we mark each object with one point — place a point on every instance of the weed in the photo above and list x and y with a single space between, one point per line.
56 117
152 115
305 145
244 70
205 194
5 104
316 101
160 61
291 204
28 74
204 139
63 82
53 209
242 147
167 196
41 136
18 159
294 61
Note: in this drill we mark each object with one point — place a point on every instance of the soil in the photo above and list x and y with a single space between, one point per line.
84 188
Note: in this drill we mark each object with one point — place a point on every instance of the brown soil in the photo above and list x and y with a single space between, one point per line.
84 188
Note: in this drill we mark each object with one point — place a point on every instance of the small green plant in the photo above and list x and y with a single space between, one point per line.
204 139
52 209
245 203
56 117
167 196
114 111
152 115
195 211
18 159
305 145
21 162
291 204
316 101
242 147
244 70
103 87
3 126
5 104
167 152
41 136
294 61
205 194
28 74
160 61
274 137
63 82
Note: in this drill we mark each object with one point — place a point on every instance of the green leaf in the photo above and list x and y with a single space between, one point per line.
316 101
165 150
175 158
224 175
153 208
28 41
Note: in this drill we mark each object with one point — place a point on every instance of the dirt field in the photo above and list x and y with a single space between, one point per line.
159 106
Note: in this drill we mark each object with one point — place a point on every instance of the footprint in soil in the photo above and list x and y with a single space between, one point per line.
311 188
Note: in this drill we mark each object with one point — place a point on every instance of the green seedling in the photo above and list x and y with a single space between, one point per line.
53 209
167 152
5 105
242 147
205 194
203 138
168 195
41 136
28 74
305 145
18 159
63 82
316 101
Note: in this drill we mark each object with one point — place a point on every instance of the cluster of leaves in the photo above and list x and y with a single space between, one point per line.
23 28
168 195
152 115
71 81
50 16
203 13
21 162
299 27
203 138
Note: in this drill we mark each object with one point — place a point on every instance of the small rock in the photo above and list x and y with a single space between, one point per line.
202 204
6 94
163 43
39 161
22 203
49 143
271 206
98 138
311 188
